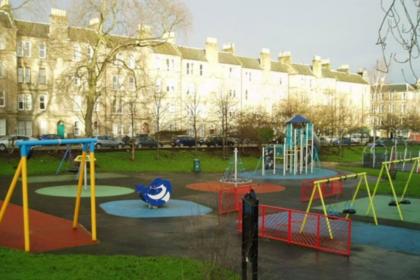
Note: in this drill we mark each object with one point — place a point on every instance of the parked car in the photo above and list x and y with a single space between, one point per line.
108 141
343 141
183 140
10 141
49 137
213 141
146 141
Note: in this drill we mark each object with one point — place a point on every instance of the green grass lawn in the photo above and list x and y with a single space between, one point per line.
19 265
119 161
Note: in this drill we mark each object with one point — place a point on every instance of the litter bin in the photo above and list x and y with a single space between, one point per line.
196 166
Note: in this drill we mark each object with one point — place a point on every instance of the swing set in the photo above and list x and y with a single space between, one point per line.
349 210
88 144
387 167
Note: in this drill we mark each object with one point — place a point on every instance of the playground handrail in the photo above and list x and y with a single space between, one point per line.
26 145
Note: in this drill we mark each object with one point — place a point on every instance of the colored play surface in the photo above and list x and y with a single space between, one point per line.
411 212
216 186
70 191
138 209
47 232
71 177
318 173
387 237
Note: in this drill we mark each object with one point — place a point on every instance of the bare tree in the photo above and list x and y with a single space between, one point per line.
111 33
193 106
400 25
160 106
225 103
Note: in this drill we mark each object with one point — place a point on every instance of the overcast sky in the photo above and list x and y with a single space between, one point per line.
345 31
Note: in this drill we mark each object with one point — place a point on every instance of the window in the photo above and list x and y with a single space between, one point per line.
27 76
24 75
117 129
77 103
2 98
2 44
43 50
117 105
77 53
77 128
115 82
42 76
77 81
2 127
188 68
1 70
42 102
246 94
167 65
24 128
201 69
90 53
25 102
24 49
119 59
131 83
131 61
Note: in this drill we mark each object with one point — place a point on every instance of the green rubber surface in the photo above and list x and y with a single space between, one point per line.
70 191
410 212
70 177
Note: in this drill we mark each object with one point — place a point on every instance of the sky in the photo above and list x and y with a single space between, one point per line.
345 31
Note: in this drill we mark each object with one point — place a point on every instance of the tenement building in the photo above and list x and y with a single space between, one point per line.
43 84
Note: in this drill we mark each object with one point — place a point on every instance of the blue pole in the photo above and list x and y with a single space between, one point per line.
25 146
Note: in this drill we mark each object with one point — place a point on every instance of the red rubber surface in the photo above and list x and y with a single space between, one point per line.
216 186
47 232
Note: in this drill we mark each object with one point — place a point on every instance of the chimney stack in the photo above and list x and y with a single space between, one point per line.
94 24
144 31
317 66
265 59
344 68
212 50
229 47
4 3
58 24
285 57
326 64
169 37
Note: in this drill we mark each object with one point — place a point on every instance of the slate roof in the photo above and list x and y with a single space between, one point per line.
166 48
32 29
343 76
192 54
276 66
395 88
250 63
301 69
228 58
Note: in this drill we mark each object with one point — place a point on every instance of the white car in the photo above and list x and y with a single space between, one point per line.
7 141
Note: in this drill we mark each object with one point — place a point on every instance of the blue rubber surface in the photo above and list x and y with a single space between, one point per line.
318 173
138 209
387 237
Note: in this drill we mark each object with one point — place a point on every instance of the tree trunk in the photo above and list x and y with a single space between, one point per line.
88 117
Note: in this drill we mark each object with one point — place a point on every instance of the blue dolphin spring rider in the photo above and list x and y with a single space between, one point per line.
156 194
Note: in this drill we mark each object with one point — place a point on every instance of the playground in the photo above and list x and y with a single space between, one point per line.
191 225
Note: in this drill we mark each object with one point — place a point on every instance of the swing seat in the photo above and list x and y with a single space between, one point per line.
405 201
350 211
392 203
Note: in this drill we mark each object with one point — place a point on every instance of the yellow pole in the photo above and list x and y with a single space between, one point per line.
325 210
393 192
375 219
409 179
10 190
308 208
376 186
79 190
92 194
25 204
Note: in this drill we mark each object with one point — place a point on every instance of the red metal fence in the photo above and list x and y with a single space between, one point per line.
285 225
328 189
229 199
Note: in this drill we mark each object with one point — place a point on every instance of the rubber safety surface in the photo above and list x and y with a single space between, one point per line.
47 232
